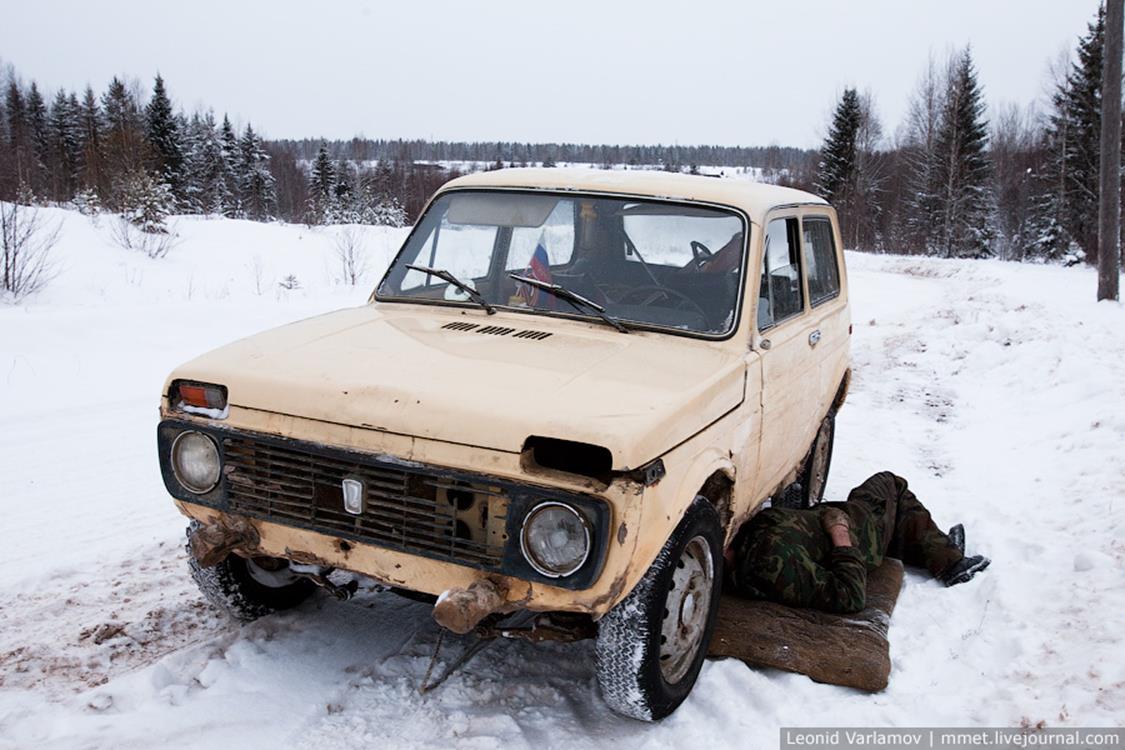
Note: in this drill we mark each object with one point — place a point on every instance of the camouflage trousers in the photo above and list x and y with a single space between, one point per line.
889 521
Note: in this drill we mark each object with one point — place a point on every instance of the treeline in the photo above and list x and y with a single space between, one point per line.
945 182
146 160
137 155
110 151
675 157
949 183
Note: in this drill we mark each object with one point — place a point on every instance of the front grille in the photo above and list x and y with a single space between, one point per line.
406 509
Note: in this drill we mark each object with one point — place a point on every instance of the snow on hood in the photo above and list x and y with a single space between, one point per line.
392 367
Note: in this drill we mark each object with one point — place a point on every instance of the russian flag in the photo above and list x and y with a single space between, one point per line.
539 267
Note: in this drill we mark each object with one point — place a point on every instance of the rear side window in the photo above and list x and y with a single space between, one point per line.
780 294
820 260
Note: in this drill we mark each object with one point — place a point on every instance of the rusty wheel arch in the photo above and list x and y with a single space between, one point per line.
719 491
842 391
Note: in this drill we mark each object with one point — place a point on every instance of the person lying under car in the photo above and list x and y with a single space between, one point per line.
819 557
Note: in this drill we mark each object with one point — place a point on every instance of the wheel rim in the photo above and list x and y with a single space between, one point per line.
271 572
819 473
686 610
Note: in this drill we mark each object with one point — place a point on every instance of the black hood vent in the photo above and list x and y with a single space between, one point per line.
528 333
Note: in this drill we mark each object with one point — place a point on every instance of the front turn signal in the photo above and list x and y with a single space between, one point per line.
203 399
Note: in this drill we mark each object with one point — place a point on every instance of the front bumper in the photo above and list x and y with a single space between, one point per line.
424 527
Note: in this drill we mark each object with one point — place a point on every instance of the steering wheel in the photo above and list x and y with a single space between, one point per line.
700 253
651 293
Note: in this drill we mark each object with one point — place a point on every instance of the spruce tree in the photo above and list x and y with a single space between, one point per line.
64 146
346 200
962 176
322 188
256 186
124 139
162 132
207 174
191 139
16 113
836 173
232 165
38 139
1067 208
90 140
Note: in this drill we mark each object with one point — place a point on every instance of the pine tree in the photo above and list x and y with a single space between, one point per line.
16 113
38 138
322 188
388 212
836 173
124 139
231 159
207 173
146 202
962 176
920 158
1067 213
163 135
849 169
65 145
256 186
351 202
90 138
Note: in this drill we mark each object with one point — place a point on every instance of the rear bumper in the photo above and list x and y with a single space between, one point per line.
416 539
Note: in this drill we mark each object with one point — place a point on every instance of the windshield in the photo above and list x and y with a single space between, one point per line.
654 263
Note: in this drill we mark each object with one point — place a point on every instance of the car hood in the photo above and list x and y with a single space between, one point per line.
429 372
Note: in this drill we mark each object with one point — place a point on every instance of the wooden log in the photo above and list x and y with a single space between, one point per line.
849 650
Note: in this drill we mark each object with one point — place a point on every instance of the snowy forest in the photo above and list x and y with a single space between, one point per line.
956 179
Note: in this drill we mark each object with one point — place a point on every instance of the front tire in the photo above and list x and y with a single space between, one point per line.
651 646
247 589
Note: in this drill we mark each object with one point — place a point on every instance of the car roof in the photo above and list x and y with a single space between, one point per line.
755 198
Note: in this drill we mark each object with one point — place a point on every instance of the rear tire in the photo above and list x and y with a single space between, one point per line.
651 646
808 490
247 589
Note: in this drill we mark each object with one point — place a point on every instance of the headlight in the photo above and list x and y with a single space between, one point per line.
195 460
555 539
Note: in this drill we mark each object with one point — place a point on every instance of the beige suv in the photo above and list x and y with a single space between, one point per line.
566 395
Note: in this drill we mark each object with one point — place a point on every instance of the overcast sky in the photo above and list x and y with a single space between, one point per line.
694 71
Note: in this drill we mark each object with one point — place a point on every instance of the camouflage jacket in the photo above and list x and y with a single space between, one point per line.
785 556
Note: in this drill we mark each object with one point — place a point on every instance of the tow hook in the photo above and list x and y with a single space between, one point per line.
318 574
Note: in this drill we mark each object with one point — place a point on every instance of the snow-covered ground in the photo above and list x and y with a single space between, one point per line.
997 389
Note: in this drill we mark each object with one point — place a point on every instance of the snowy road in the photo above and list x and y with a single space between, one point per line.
999 390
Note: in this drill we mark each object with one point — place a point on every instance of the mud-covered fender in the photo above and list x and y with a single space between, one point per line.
665 503
707 464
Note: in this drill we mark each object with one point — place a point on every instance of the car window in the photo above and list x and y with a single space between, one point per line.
556 235
666 240
583 244
820 260
463 250
780 295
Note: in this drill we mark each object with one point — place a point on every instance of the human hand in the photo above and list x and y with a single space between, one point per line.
836 524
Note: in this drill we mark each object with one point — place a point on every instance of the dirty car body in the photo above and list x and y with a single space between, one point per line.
547 443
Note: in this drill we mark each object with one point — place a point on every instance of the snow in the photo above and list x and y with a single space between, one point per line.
997 389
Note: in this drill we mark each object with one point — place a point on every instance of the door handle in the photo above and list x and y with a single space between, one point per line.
814 337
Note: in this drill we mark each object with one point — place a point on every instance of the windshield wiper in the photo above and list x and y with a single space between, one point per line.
444 275
576 300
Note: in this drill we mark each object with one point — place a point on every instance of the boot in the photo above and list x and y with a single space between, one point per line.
964 569
957 537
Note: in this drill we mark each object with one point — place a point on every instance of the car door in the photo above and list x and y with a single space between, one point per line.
828 305
785 341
